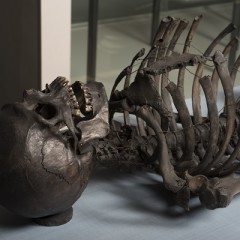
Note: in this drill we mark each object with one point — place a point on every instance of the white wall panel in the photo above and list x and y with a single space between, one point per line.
55 39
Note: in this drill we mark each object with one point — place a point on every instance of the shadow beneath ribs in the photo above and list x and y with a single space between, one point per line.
145 193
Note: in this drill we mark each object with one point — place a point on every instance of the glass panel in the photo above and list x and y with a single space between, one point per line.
124 27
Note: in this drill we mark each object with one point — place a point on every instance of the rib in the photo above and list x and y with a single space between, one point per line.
174 61
214 123
179 30
181 73
233 42
196 86
235 69
171 180
221 66
162 45
165 76
157 39
127 82
186 121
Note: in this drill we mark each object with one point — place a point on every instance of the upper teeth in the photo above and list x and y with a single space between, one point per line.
74 104
88 99
63 83
73 100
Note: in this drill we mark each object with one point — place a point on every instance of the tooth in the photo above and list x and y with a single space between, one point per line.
87 95
76 105
88 108
65 83
85 89
88 101
74 98
62 80
76 112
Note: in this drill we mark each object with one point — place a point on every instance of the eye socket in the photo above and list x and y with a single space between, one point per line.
47 111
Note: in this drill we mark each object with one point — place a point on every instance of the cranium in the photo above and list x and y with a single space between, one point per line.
44 167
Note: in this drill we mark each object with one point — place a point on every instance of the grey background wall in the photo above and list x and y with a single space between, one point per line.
110 9
122 8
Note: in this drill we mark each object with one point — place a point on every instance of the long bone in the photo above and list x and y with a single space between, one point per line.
231 165
141 83
162 27
233 42
233 162
171 180
221 66
168 63
152 54
196 85
235 68
214 123
161 41
162 50
219 192
161 38
127 82
141 128
181 73
173 125
165 76
163 66
186 121
178 32
126 72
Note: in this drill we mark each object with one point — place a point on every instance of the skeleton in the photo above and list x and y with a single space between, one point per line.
202 155
194 154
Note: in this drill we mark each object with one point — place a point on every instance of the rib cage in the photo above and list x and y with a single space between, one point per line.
207 146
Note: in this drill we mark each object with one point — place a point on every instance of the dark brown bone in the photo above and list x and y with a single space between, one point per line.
179 30
219 192
186 121
175 61
165 76
163 43
127 81
225 52
196 86
221 66
171 180
181 73
214 123
200 147
235 69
